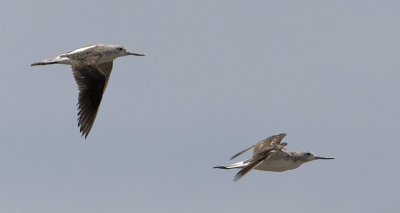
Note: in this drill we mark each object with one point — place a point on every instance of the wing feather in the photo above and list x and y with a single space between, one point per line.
91 83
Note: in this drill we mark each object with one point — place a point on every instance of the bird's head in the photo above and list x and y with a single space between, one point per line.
119 51
309 156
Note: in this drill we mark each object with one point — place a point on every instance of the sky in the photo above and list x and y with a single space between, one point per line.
218 77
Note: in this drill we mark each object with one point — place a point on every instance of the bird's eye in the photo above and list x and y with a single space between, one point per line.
120 48
308 153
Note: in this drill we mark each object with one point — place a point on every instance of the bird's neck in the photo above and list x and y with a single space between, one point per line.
296 156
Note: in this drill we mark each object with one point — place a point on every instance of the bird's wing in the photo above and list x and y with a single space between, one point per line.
92 81
268 143
254 163
264 153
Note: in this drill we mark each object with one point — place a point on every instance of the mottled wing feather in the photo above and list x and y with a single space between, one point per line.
91 82
267 143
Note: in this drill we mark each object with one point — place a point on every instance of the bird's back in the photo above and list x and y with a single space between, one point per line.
86 55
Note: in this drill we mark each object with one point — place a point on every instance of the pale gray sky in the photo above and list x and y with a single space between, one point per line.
218 76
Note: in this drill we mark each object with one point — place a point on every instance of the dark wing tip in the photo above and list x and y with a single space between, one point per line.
245 170
84 134
233 157
242 172
241 152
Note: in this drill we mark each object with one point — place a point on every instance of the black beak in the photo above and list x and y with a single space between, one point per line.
136 54
323 158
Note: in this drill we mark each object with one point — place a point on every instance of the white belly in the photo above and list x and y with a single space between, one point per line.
278 165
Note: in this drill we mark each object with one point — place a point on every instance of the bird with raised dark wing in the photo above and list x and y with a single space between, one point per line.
271 155
91 66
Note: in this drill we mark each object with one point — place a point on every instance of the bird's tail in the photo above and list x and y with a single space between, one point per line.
56 60
237 165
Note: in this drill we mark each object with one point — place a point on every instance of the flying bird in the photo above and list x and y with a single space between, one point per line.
271 155
91 66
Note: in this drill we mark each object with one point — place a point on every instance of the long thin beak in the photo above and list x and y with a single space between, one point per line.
323 158
129 53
